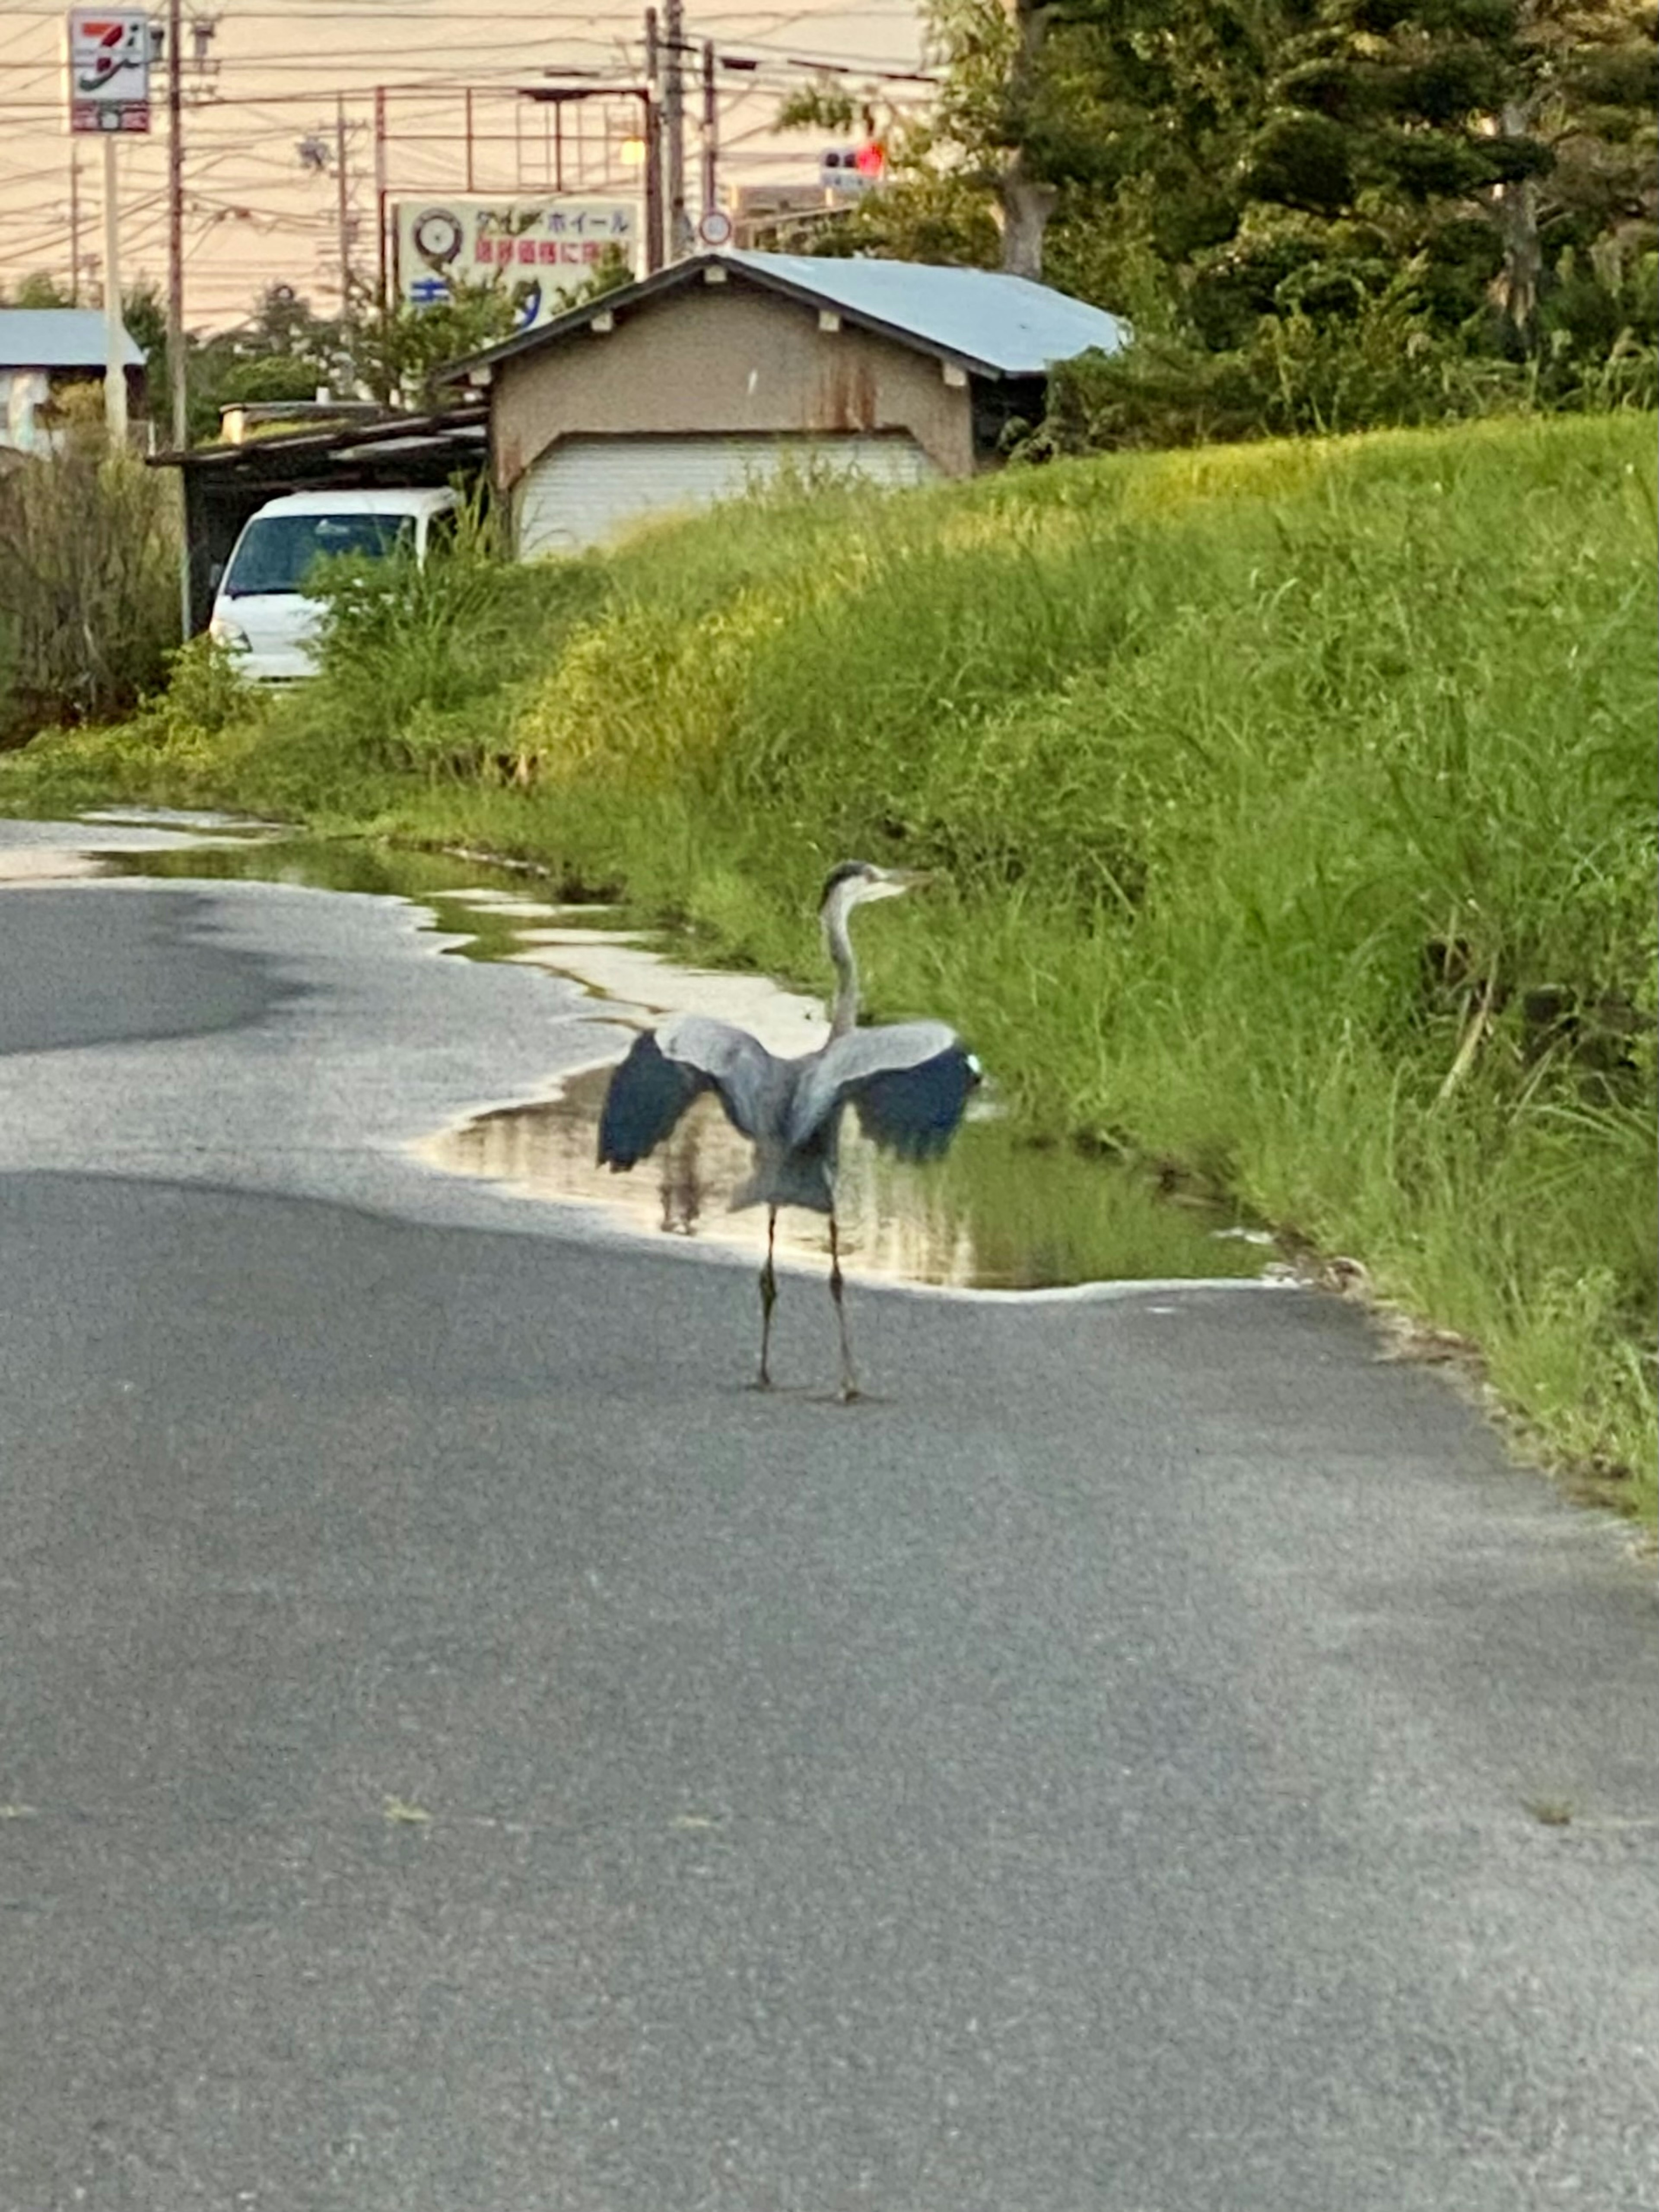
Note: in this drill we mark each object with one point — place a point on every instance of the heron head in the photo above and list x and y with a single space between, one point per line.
856 882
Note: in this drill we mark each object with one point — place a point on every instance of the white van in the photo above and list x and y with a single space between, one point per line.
260 609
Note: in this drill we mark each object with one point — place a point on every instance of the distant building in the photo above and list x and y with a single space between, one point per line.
775 218
726 368
41 350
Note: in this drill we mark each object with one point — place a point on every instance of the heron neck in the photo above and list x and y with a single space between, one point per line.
844 1013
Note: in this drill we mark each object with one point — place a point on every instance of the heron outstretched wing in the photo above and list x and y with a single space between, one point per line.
664 1071
909 1084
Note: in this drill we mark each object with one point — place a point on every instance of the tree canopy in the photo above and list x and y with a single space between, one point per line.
1470 180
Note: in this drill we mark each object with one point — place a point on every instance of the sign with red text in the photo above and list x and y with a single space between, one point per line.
542 250
109 55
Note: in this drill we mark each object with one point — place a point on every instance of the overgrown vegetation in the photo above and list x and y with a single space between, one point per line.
1294 804
89 577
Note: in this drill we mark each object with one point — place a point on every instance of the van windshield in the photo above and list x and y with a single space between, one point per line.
278 551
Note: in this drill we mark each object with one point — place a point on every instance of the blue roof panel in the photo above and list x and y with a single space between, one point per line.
58 338
1006 323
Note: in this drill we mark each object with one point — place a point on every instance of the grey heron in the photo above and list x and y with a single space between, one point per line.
908 1082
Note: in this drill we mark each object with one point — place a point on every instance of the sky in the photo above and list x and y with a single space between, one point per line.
280 73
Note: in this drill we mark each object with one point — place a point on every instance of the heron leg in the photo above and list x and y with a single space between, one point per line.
849 1389
768 1291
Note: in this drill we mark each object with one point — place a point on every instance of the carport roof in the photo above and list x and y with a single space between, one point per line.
451 435
983 321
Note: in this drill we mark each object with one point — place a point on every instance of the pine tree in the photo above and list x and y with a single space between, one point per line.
1453 133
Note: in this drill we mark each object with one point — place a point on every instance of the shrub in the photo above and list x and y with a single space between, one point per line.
1382 362
1298 373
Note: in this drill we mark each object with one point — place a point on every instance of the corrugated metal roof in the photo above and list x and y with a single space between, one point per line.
1007 323
1002 326
58 337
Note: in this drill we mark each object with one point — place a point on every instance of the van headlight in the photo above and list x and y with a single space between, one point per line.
230 634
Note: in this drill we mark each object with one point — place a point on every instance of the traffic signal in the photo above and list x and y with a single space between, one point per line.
852 168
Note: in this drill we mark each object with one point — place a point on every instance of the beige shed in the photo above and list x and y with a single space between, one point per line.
724 369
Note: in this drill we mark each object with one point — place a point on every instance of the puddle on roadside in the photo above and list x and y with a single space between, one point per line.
995 1214
490 925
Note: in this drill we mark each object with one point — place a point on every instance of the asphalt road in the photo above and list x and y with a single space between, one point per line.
460 1750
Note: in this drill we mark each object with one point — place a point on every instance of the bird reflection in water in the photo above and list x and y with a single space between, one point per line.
682 1187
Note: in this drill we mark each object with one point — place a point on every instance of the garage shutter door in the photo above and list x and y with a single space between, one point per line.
585 490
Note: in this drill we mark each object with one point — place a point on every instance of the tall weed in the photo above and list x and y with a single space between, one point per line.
409 648
88 584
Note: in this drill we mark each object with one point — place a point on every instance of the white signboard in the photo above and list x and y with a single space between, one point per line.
541 249
109 68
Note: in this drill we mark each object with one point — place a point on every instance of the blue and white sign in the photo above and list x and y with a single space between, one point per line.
542 250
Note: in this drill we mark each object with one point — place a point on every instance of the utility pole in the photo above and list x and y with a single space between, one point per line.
343 185
115 336
711 130
382 293
654 176
176 276
75 224
673 116
176 228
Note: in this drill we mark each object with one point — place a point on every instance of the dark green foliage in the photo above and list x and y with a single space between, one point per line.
1302 162
1474 180
40 288
266 377
396 353
284 350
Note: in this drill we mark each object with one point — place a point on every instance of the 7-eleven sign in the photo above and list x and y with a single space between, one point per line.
109 68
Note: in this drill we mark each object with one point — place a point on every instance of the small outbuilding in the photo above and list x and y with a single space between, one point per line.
725 369
41 350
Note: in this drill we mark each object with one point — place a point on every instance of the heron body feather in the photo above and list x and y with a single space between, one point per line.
909 1083
848 1064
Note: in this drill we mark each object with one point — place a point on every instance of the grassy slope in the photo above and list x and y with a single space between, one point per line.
1213 748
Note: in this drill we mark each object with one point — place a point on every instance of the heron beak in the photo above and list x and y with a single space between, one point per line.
894 880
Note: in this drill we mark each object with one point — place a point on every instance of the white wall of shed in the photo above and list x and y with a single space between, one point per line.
587 491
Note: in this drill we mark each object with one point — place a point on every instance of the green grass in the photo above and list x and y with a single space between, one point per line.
1295 805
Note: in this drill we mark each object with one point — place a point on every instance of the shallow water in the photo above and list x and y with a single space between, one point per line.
996 1213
